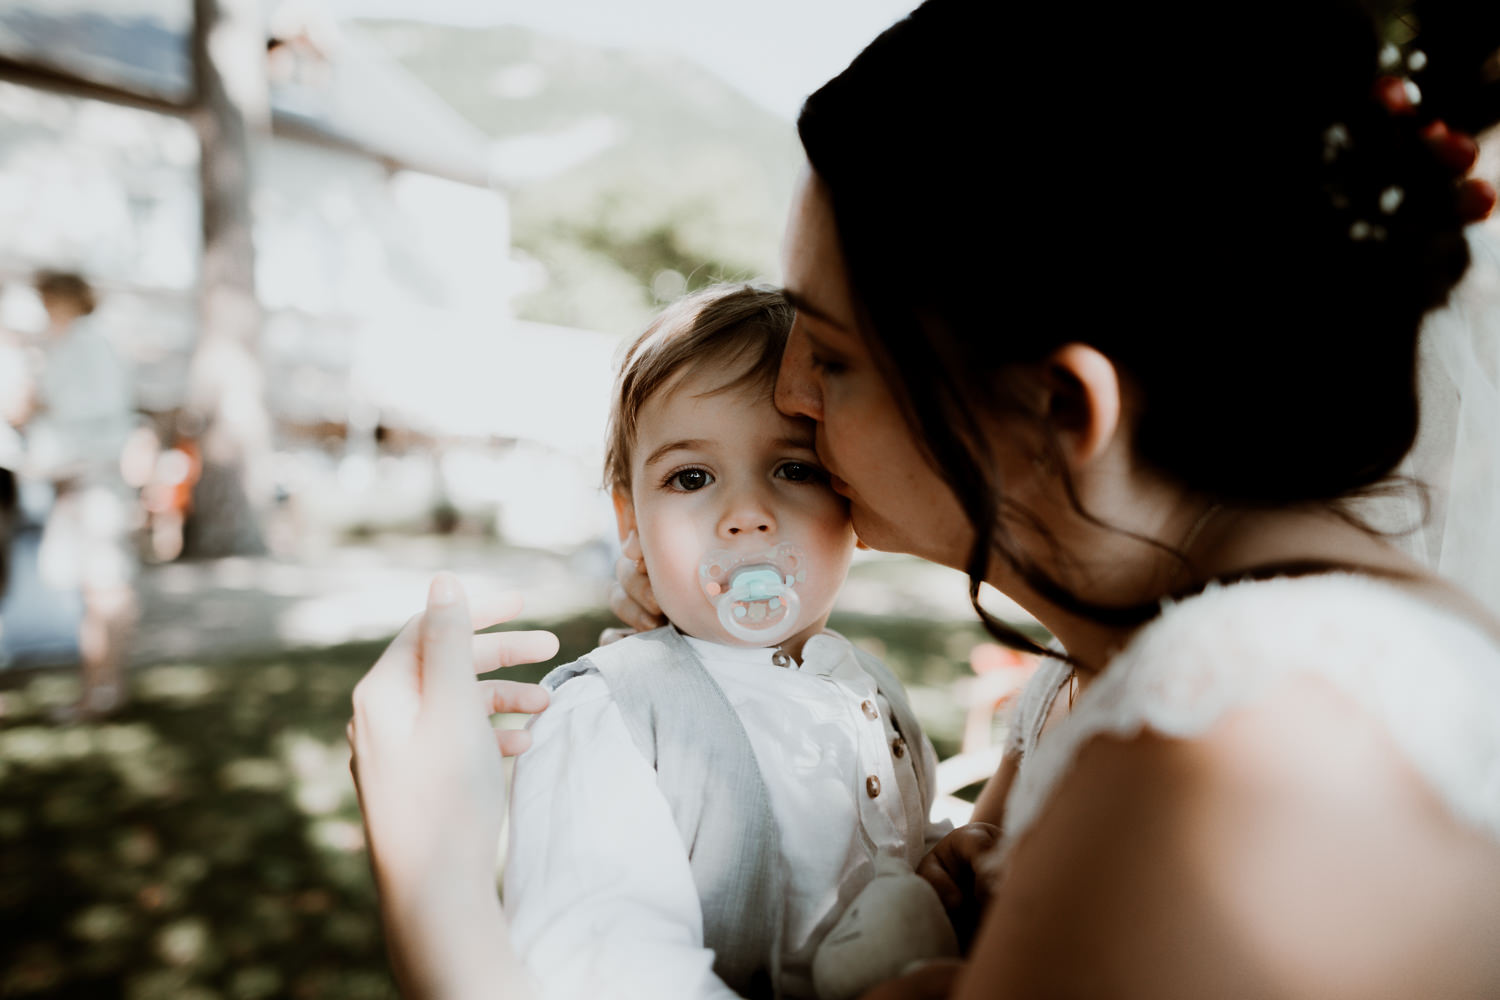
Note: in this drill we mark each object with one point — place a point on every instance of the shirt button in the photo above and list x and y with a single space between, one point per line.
898 748
868 706
872 786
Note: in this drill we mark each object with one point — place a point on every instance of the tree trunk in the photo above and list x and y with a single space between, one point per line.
226 400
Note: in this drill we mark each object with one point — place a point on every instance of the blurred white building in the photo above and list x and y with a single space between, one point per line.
382 261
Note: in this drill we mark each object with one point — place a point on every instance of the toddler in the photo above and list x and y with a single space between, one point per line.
702 802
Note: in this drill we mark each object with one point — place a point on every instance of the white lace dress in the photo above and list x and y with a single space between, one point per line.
1429 677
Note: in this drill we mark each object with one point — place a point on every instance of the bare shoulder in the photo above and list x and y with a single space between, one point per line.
1289 851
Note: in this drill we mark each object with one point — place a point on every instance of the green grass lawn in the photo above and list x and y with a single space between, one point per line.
206 842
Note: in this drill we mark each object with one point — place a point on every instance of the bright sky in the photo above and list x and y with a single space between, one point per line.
776 51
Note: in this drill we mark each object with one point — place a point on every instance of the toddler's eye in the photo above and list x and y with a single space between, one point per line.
689 480
801 472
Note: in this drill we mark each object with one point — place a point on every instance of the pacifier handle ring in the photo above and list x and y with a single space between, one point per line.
760 585
769 636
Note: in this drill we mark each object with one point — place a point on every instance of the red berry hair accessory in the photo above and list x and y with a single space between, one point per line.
1457 151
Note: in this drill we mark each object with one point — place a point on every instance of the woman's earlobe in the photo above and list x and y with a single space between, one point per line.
1084 403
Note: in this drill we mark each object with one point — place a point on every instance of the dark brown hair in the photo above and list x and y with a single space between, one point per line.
67 285
1210 196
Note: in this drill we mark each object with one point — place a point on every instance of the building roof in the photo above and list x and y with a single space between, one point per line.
338 91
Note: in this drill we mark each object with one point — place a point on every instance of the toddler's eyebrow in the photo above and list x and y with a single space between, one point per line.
690 444
671 446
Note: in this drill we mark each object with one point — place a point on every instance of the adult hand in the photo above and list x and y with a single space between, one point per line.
631 598
427 766
950 869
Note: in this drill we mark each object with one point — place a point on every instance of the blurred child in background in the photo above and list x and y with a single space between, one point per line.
84 412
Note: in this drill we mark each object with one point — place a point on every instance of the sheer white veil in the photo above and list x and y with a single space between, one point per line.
1457 453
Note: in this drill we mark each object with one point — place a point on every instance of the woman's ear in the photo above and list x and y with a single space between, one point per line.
1083 401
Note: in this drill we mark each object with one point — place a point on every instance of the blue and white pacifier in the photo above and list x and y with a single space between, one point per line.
755 593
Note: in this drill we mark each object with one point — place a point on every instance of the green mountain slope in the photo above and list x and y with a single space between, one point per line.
662 174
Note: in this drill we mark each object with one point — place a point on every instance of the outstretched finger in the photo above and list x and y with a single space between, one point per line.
494 650
512 696
488 608
485 610
446 651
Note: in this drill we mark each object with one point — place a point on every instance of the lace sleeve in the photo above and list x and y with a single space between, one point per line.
1428 677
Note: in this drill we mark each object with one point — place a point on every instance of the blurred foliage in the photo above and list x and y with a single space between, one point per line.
689 184
207 843
616 245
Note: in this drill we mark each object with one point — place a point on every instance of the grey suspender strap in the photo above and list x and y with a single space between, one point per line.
685 727
1035 704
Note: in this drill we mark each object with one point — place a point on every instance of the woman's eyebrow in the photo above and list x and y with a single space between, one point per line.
803 306
685 445
820 345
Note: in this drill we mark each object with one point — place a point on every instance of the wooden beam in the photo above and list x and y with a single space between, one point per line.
58 81
293 127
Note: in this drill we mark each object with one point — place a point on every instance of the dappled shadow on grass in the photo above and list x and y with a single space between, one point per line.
206 842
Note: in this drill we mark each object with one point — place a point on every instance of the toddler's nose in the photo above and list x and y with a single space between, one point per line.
748 515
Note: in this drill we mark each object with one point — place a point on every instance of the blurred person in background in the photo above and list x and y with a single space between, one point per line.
83 414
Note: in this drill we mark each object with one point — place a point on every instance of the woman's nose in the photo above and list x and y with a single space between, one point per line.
748 514
797 393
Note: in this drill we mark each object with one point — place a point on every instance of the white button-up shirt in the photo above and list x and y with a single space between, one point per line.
597 883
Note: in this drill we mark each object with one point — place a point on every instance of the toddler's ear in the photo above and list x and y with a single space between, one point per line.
624 516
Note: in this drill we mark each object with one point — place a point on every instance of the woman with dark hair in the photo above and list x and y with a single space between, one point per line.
1142 393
